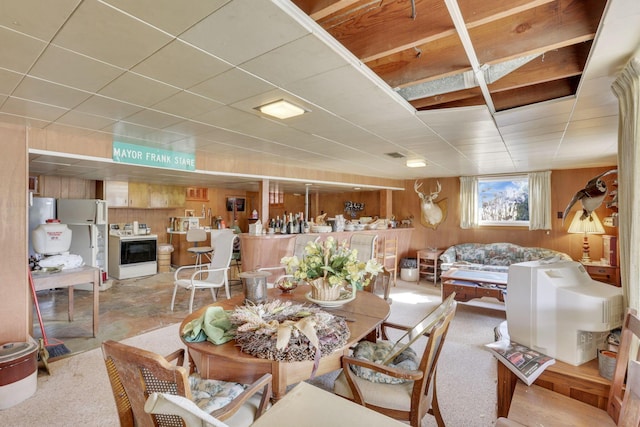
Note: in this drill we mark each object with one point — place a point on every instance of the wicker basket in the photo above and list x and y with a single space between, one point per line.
322 291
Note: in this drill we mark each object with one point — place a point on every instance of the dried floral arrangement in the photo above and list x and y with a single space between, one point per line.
283 331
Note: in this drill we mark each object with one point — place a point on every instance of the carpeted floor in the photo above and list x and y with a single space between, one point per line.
78 390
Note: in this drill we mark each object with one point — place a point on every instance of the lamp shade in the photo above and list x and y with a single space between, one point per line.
589 225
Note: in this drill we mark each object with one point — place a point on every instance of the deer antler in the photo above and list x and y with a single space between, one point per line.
416 187
435 193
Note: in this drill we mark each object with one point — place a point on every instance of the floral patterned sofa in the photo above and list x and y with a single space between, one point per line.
493 256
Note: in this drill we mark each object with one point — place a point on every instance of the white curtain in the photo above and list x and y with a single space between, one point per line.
468 202
540 200
627 89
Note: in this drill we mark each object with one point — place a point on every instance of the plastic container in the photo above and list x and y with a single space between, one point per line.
18 372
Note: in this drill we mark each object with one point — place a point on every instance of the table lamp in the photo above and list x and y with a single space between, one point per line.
589 225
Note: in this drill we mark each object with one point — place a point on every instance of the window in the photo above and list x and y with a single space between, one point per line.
503 201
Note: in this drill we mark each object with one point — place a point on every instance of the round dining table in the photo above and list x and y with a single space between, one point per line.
227 362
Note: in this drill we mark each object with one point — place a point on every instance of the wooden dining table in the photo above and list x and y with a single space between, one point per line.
227 362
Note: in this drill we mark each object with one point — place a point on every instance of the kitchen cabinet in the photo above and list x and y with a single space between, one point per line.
122 194
166 196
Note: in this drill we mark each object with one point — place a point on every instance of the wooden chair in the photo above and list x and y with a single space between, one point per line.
210 276
135 374
388 256
535 405
381 285
171 404
412 399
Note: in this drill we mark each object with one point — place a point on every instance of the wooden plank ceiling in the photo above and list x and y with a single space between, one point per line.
525 51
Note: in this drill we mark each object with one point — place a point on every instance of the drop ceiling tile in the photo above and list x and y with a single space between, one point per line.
18 52
297 60
270 27
8 81
32 110
232 86
103 33
69 68
169 15
182 65
49 93
36 18
555 110
186 105
138 90
84 121
189 128
153 119
114 109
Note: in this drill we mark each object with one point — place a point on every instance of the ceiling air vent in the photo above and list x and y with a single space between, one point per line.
395 155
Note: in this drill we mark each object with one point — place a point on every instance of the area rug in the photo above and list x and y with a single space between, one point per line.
78 392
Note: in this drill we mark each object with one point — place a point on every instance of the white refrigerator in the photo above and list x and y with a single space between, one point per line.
87 220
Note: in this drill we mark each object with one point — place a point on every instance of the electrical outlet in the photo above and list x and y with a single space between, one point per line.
559 215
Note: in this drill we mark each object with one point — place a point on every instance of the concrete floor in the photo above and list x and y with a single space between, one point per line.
128 308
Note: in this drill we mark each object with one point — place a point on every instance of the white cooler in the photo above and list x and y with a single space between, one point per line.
18 372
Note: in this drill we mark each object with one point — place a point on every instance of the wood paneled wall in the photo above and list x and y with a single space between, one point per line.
15 296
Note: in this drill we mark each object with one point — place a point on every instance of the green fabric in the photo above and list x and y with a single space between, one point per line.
214 326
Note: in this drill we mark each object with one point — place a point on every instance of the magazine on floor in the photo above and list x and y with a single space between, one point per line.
526 363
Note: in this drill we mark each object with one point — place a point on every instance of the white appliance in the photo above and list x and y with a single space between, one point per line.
41 209
132 255
558 310
87 219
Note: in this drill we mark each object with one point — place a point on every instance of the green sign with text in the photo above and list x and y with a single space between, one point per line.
149 156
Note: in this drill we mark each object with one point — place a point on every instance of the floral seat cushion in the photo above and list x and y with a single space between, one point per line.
210 395
377 352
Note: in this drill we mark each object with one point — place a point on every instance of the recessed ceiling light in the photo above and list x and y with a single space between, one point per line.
281 109
416 163
356 188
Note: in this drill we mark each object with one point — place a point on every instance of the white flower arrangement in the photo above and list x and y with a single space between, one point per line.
333 262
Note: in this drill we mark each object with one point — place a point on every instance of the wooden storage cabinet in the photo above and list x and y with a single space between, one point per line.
604 273
122 194
428 261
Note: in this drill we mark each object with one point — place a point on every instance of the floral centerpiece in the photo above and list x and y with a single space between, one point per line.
281 330
329 267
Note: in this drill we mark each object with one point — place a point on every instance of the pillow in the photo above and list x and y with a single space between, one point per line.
376 352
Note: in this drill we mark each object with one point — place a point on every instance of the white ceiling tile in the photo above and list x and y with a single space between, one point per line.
49 93
18 52
264 27
8 81
232 86
169 15
69 68
138 90
36 18
83 120
153 119
100 105
297 60
185 104
98 31
181 65
32 110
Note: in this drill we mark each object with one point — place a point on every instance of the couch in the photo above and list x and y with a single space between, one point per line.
495 257
482 268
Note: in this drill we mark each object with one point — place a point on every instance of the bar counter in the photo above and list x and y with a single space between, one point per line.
266 250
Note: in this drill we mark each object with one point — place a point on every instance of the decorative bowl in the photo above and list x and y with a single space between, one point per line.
321 229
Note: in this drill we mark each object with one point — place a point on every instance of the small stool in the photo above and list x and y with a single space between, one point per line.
198 235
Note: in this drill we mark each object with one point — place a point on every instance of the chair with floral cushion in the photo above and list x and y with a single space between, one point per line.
135 374
390 378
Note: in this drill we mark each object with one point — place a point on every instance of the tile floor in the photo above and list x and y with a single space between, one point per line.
128 308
